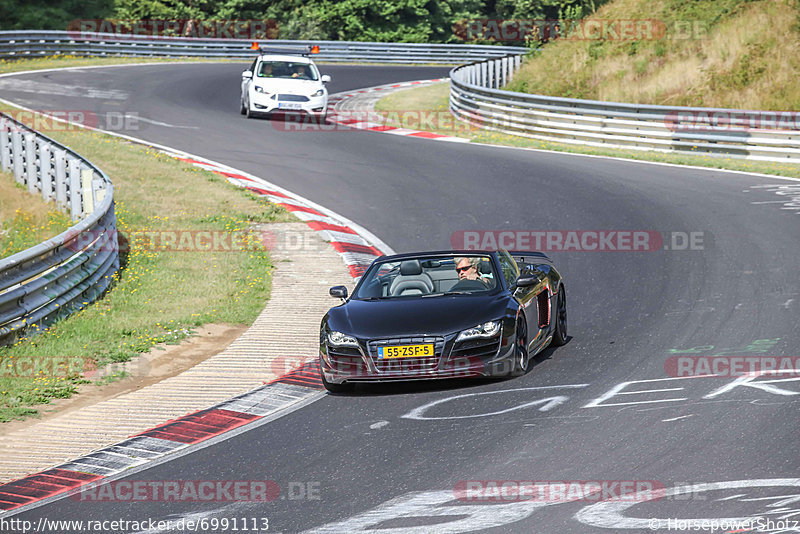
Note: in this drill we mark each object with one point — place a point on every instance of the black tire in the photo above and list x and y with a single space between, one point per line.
336 388
249 113
242 107
560 317
522 358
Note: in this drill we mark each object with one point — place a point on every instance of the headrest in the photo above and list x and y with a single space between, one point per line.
410 268
484 267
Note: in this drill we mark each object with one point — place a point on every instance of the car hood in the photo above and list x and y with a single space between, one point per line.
286 86
415 316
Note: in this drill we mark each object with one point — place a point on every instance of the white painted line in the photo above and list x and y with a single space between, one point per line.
547 403
158 123
677 418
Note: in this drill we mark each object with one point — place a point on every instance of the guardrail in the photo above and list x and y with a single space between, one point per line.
475 97
25 44
52 279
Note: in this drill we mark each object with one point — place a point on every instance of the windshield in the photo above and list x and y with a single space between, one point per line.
428 276
287 70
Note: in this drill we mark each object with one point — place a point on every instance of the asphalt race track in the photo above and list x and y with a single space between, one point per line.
736 294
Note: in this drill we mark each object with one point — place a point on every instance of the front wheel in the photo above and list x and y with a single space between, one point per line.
522 357
249 113
560 333
242 107
336 388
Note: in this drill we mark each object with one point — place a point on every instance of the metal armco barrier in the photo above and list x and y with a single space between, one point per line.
26 44
475 97
51 280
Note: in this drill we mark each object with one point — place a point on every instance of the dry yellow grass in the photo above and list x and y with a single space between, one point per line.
745 55
25 219
14 197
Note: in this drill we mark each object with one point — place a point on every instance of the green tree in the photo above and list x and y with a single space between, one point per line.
415 21
47 15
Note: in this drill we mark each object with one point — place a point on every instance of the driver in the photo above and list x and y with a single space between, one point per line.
467 268
299 71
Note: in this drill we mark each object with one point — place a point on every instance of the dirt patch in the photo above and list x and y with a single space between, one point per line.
163 361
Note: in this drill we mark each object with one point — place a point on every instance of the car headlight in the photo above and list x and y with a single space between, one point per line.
319 93
482 330
260 89
340 339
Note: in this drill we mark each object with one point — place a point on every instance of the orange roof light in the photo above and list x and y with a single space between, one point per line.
315 49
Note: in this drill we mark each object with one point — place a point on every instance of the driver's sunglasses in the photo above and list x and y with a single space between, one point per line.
462 269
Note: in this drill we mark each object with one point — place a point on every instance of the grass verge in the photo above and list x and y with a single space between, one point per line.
160 295
434 98
25 219
713 53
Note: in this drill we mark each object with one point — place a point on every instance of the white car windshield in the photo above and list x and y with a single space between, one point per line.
428 276
287 70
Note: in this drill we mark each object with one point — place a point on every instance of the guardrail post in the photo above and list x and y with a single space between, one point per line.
16 154
74 196
30 162
98 190
490 74
60 164
5 144
88 198
45 170
517 62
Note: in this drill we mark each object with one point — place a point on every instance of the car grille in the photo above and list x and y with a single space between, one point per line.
293 98
406 365
476 348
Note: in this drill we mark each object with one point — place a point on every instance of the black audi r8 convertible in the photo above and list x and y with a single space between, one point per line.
443 315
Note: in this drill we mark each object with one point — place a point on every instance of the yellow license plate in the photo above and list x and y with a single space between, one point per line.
405 351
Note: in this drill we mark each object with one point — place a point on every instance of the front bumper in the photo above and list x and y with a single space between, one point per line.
470 359
261 103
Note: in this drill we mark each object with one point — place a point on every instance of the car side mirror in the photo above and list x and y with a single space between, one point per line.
248 74
325 78
339 291
527 281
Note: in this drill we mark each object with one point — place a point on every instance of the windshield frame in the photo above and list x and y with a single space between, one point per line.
363 292
289 66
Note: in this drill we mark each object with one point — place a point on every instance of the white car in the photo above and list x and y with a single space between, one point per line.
284 83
